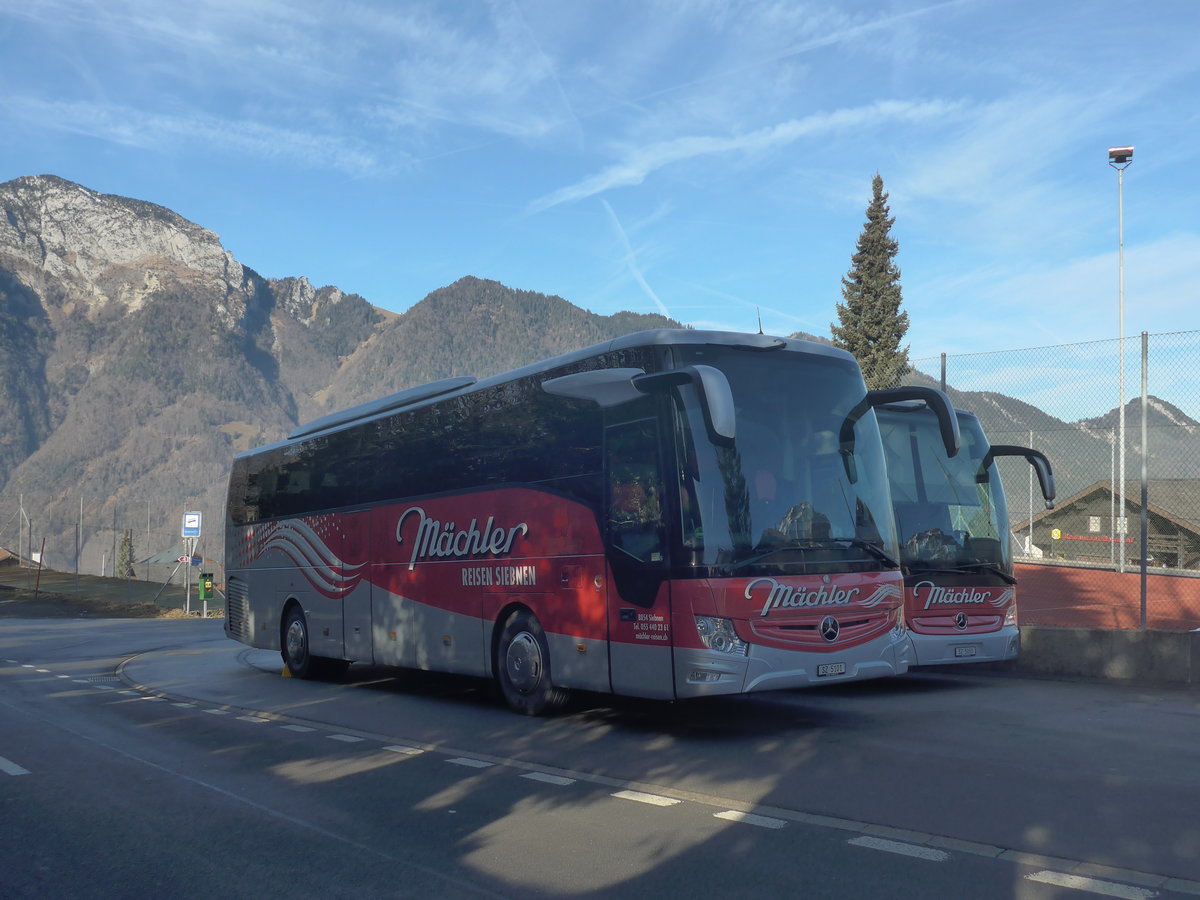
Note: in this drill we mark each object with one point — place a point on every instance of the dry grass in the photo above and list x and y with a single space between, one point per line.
26 604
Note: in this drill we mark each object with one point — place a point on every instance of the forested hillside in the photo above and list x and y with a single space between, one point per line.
137 357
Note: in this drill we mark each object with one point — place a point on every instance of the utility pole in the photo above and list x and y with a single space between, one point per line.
1120 158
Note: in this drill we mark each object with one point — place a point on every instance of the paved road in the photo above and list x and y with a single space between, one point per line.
140 757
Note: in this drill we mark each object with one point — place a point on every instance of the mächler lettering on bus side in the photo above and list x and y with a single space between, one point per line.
438 540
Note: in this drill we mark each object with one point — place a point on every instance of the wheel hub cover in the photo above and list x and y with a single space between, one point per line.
523 662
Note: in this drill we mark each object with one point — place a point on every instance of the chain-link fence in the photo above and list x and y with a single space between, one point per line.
1121 548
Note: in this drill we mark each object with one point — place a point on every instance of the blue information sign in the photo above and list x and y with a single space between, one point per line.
191 524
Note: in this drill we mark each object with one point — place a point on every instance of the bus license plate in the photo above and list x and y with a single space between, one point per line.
964 651
825 669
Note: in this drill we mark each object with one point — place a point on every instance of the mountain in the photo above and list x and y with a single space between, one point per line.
137 356
1082 452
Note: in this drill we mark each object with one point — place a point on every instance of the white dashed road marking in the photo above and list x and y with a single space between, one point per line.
470 763
547 778
1093 885
652 799
874 843
8 767
733 815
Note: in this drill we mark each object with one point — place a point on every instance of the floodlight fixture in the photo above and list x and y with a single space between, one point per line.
1120 157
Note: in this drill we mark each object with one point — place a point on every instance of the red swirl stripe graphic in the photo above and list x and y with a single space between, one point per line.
307 550
882 593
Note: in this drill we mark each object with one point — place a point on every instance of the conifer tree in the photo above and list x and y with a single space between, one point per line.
871 325
125 557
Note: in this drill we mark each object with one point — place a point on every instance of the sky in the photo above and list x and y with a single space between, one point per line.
710 160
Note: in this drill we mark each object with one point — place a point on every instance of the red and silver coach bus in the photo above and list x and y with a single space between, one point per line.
955 545
671 514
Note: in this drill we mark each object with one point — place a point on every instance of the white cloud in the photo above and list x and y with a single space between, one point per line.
1072 302
630 259
640 162
163 132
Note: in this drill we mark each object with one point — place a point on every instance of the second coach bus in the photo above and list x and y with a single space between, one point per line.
955 545
670 514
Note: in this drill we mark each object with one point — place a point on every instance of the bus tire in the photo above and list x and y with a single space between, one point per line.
523 667
296 651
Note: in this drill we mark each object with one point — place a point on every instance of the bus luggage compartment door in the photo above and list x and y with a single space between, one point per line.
640 654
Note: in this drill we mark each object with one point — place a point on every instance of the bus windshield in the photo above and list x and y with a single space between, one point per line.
783 496
951 513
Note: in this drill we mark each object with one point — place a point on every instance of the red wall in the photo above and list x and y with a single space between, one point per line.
1099 598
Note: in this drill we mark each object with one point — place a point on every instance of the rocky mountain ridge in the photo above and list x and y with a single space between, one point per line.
137 356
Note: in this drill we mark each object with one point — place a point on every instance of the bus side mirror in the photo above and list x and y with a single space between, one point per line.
716 397
604 387
1036 458
612 387
935 399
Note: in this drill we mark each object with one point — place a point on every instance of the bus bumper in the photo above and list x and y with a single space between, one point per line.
950 649
703 673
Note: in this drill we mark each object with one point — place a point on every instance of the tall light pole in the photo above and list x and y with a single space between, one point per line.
1120 158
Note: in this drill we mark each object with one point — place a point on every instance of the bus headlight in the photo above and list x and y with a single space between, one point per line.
1010 614
719 635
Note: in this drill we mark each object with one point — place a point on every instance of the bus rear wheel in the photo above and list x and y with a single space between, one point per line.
523 667
297 652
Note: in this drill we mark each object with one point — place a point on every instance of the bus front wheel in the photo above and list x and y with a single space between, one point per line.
523 667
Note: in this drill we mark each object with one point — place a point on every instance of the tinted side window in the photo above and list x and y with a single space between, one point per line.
635 490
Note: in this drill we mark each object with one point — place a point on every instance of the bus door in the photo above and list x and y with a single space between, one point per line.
638 589
356 575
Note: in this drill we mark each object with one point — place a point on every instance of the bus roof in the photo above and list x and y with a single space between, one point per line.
448 388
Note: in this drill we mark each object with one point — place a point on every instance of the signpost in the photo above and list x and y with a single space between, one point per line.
191 525
190 532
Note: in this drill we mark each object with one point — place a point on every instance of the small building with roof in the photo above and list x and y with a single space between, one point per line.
1084 527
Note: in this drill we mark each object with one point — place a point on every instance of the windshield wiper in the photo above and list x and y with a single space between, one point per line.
822 544
874 549
990 567
959 568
